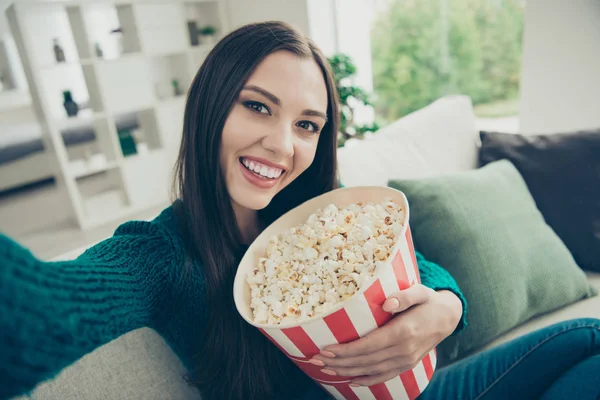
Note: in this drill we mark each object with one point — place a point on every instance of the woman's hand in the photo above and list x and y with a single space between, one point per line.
424 318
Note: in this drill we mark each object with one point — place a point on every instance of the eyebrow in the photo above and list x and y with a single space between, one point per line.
274 99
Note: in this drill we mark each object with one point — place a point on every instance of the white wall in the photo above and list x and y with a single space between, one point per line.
354 39
560 78
242 12
3 22
322 24
354 36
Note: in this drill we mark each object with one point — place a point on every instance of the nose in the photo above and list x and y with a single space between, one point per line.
280 141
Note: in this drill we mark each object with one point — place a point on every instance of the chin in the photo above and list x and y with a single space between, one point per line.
252 201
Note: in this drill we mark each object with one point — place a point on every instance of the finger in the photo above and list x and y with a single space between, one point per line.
377 340
359 361
401 301
375 379
371 370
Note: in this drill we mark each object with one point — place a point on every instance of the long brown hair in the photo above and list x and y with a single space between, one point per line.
236 361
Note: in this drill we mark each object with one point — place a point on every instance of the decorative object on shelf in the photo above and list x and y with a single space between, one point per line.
141 145
59 53
77 167
129 86
207 34
162 90
193 32
176 88
119 37
97 162
98 50
142 148
70 106
127 141
87 153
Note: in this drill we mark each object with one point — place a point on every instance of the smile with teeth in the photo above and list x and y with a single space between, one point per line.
261 170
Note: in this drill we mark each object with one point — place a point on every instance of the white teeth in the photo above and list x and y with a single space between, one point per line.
267 172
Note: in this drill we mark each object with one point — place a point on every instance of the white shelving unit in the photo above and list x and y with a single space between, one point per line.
129 88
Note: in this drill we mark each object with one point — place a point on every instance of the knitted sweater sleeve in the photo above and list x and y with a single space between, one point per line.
53 313
437 278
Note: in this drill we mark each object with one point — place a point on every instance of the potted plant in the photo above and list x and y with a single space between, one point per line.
207 34
350 97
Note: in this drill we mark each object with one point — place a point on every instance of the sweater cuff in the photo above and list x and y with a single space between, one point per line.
437 278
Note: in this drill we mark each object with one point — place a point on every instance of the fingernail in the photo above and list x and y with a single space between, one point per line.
327 354
391 305
355 385
318 363
328 372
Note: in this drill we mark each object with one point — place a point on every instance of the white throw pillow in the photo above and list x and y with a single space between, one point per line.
439 138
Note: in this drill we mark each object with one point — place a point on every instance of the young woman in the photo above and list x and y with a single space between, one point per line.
259 139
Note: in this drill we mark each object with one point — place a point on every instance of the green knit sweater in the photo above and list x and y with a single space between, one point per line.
52 313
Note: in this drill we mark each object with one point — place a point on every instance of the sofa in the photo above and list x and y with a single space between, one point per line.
441 137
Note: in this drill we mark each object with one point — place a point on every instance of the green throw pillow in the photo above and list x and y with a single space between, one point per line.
484 228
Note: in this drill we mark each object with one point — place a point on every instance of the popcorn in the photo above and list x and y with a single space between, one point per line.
310 269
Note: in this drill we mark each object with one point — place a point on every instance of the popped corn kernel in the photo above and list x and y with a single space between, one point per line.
309 269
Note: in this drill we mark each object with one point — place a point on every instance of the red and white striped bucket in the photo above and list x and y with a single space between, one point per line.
350 320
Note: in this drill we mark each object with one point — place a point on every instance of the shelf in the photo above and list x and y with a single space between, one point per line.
173 100
83 118
166 69
143 152
14 98
202 48
126 84
87 170
147 178
59 65
161 27
139 133
202 14
104 207
122 57
127 98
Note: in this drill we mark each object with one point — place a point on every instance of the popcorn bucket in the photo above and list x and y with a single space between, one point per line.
351 319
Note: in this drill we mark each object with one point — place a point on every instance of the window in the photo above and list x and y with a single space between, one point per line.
425 49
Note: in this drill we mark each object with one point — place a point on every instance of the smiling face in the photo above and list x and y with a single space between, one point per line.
271 134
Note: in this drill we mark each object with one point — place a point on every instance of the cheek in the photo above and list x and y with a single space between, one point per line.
234 137
305 154
230 133
241 130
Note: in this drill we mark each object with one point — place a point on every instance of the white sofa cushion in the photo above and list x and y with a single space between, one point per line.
138 365
439 138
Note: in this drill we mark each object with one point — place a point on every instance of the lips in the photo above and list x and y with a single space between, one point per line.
256 179
261 169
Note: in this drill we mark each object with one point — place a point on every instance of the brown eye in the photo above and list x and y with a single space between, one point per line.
308 126
257 107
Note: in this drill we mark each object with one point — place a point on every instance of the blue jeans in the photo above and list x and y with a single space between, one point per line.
561 361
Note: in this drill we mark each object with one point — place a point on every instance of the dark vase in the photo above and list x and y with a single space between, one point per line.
70 106
193 32
59 54
176 89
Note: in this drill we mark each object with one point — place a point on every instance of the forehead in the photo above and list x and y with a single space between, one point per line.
298 82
